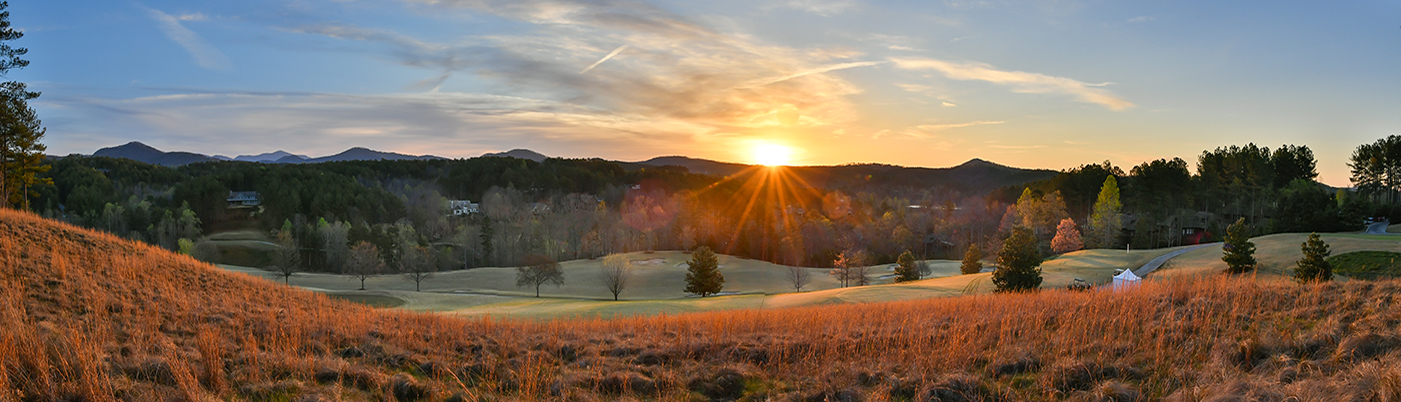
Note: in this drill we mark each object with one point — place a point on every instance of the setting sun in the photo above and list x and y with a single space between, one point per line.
772 154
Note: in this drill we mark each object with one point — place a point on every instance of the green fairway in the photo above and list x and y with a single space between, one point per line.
1367 264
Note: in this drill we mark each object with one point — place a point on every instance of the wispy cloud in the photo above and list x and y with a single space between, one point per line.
948 126
821 7
605 58
823 69
1139 19
205 54
676 68
1020 81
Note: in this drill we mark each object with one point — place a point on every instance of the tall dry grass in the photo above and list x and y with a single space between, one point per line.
87 316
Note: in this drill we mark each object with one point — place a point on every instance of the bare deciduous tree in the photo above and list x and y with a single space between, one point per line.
798 277
419 263
363 262
288 257
615 275
539 270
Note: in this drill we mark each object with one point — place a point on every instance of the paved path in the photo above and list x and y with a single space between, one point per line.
1155 263
1378 228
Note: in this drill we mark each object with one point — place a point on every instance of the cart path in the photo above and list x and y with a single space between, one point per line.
1156 263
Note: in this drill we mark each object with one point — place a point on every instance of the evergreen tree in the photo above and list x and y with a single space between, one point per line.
1067 237
1314 267
1239 251
486 235
21 153
1106 222
703 274
908 268
1019 263
972 260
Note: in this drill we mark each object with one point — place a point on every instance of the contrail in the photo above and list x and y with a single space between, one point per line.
766 81
605 58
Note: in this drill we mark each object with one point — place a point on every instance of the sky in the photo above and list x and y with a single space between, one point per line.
1040 84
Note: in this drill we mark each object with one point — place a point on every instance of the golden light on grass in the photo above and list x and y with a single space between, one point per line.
91 316
770 154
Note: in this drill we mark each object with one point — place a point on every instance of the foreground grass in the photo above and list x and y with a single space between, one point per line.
92 317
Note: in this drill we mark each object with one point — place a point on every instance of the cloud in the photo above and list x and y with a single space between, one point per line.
193 17
1139 19
824 8
949 104
948 126
444 124
1022 82
675 69
605 58
823 69
205 55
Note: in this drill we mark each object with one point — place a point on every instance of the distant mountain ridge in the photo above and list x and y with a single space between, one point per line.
268 157
974 176
145 153
518 154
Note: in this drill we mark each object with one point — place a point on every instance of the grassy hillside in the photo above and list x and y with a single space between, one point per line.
92 317
1276 254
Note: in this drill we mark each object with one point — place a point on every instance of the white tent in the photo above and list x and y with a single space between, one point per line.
1125 279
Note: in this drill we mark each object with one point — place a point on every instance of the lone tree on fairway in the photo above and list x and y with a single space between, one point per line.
419 263
1314 267
798 277
1106 223
615 275
1019 263
539 270
908 268
288 257
972 260
703 276
1067 237
1239 251
363 262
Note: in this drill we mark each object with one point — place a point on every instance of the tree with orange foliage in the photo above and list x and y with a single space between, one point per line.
1067 237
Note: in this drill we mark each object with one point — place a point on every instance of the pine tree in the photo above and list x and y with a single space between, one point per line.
1106 222
972 260
1067 237
907 268
21 153
1239 251
703 276
1019 263
1314 267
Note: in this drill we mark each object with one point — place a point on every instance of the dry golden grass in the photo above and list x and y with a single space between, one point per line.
87 316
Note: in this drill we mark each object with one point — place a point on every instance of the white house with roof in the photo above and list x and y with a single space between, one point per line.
243 199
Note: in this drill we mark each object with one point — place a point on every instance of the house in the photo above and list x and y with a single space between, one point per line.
242 199
463 207
1193 235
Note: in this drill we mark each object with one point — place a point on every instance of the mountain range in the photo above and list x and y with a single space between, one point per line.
975 175
145 153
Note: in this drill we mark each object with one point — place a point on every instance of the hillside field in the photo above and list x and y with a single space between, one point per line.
93 317
659 278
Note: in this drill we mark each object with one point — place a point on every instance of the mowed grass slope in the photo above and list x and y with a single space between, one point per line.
91 317
1276 254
